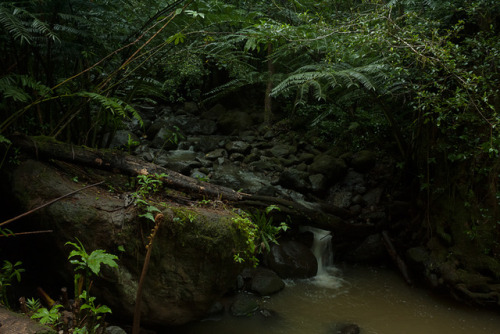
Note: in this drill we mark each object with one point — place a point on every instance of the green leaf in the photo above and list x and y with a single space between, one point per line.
98 257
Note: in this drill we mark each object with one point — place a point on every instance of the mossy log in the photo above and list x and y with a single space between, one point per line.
123 163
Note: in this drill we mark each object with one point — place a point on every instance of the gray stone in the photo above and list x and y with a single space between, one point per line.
237 157
266 282
318 182
265 164
333 168
206 144
293 179
282 150
215 154
164 139
182 285
291 259
245 305
251 158
372 197
342 199
238 147
115 330
306 157
121 140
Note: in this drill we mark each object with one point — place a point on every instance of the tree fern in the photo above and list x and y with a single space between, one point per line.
321 78
22 88
23 25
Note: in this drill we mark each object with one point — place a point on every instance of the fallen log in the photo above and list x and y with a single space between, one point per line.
121 162
403 269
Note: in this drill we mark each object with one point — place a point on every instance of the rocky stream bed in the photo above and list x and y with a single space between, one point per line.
192 262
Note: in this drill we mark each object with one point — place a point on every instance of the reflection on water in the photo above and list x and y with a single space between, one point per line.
375 299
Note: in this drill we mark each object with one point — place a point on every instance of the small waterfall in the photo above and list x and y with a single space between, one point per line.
322 250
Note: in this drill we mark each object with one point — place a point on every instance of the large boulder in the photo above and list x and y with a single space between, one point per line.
294 179
263 281
292 259
192 262
333 168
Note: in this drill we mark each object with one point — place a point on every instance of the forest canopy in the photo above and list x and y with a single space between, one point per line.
423 74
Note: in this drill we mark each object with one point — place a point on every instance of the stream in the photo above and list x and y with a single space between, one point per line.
376 299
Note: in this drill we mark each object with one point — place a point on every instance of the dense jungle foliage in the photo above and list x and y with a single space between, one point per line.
422 74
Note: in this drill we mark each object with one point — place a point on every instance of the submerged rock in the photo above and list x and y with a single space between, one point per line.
263 281
245 305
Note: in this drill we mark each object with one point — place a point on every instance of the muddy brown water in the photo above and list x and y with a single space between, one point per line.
376 299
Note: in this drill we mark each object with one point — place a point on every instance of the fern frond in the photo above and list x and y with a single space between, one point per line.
113 104
21 88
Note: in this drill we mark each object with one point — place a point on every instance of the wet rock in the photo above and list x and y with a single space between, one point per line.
206 144
164 139
342 199
291 259
251 158
265 282
182 161
265 164
333 168
115 330
363 161
372 249
234 177
182 285
244 305
121 140
306 157
282 150
237 157
238 147
318 182
372 197
216 309
215 154
294 179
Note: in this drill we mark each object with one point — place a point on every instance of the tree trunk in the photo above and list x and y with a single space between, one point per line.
268 112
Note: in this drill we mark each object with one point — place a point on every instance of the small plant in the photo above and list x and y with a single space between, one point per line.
131 143
86 317
48 316
9 273
259 232
267 232
148 184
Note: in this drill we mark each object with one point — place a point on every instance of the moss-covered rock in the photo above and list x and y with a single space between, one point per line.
192 259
